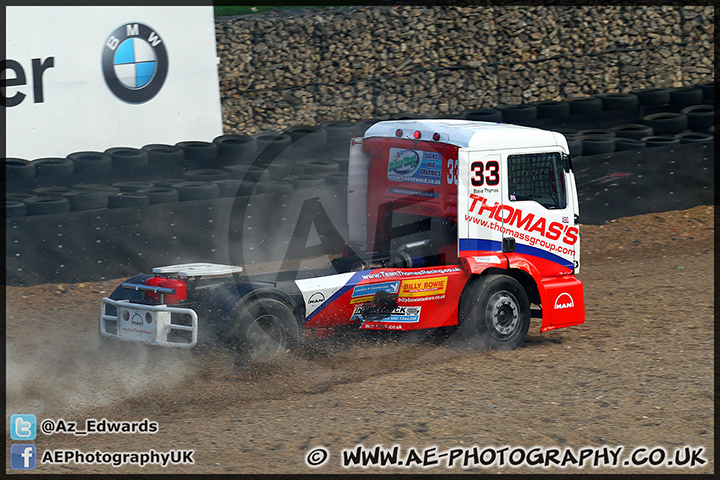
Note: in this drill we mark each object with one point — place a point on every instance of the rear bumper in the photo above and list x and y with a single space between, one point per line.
151 324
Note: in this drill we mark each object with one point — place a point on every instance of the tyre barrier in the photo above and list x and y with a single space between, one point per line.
617 149
484 115
197 190
708 90
132 186
206 175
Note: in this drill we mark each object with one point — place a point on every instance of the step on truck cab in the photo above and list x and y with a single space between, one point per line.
451 223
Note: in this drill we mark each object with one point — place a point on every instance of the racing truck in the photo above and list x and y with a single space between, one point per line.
451 223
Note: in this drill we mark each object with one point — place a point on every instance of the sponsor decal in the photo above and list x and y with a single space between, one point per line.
424 287
487 259
316 299
516 218
384 314
134 63
564 300
415 166
362 290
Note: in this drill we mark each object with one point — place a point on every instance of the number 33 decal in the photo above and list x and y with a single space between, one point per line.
485 173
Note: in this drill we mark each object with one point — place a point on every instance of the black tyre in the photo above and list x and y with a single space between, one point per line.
161 194
694 137
685 96
50 167
575 146
272 187
700 117
229 187
582 105
165 154
236 149
666 122
307 136
18 196
169 182
19 169
125 157
90 161
53 191
14 208
518 113
622 144
634 131
552 109
270 145
87 200
49 205
660 141
206 175
336 179
133 186
262 330
617 101
484 115
597 145
306 181
652 96
95 187
245 172
277 170
495 312
708 90
128 200
318 167
197 190
198 153
597 132
342 132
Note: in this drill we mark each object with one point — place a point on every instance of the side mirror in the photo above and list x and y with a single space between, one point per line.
566 162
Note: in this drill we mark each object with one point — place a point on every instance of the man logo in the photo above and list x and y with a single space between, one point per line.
135 63
564 300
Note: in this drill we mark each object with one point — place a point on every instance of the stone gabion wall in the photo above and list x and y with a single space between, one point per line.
357 63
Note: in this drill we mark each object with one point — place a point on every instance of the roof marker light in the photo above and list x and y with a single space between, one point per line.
416 134
398 133
436 136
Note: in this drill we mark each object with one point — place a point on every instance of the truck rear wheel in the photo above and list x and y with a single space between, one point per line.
495 312
263 329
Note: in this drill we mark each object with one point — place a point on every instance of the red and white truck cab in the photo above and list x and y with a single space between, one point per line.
451 223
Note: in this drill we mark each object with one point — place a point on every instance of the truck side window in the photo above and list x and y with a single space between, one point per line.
538 177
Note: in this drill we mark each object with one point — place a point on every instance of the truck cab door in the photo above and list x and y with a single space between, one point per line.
539 210
479 200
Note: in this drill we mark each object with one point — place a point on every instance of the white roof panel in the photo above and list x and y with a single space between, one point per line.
469 134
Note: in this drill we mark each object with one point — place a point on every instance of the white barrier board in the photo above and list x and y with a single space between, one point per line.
91 78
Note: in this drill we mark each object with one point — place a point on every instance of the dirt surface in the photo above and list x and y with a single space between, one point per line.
639 372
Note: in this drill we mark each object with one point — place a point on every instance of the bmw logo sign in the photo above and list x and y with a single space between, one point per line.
135 63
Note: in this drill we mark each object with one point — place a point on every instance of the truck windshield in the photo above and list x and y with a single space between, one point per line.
538 177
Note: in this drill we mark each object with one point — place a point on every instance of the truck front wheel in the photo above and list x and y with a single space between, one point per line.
495 312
